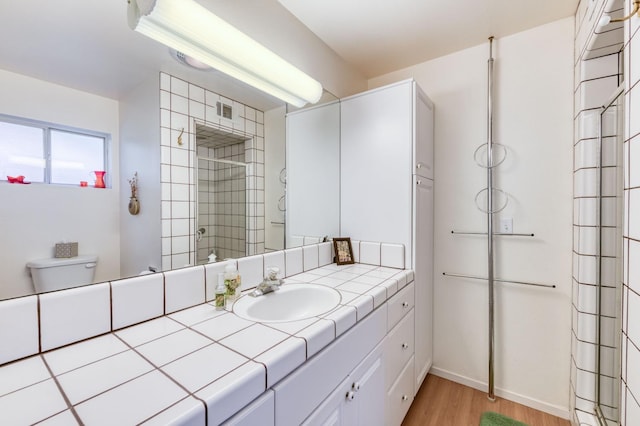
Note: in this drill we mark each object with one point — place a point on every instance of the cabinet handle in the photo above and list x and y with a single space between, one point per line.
405 304
405 346
350 395
355 386
405 397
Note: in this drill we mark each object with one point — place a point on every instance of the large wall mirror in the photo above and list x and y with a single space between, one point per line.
111 80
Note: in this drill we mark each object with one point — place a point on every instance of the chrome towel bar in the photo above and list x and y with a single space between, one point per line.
495 233
473 277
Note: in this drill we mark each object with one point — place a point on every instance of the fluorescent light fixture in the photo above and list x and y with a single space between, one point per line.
190 28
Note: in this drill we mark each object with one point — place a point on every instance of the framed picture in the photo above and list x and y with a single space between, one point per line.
342 248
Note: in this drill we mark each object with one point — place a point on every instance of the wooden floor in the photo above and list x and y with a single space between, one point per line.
441 402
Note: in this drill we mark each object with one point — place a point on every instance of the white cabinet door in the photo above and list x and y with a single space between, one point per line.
334 411
376 166
423 280
358 400
369 390
423 127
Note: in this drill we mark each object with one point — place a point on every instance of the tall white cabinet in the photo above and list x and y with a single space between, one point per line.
386 191
374 153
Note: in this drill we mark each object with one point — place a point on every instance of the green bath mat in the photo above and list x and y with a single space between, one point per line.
490 418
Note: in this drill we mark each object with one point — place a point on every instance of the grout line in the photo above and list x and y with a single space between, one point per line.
39 314
110 306
70 406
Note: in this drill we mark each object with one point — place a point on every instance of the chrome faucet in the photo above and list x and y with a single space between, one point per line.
270 283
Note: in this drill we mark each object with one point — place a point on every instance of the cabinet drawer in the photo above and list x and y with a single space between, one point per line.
400 396
399 347
399 305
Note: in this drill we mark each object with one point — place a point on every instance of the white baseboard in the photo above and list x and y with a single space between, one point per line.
556 410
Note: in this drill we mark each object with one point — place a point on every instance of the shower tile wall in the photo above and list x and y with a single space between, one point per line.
181 104
222 203
594 78
630 405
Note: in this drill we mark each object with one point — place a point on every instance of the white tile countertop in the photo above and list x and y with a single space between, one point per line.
194 366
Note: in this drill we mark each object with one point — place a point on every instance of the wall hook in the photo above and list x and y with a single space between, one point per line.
180 137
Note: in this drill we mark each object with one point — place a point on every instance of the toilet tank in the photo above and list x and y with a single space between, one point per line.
60 273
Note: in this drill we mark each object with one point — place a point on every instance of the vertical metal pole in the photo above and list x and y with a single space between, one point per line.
490 392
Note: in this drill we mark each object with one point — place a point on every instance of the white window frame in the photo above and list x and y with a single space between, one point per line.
47 127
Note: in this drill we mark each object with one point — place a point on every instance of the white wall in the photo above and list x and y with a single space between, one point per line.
274 162
34 217
140 152
533 118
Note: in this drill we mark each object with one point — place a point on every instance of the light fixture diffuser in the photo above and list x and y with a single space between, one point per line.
188 27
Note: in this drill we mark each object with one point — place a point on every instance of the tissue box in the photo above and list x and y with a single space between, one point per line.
66 250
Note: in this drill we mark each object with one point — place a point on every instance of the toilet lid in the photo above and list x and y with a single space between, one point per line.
61 261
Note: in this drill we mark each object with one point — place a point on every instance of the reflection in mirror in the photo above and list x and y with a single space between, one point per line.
313 173
222 195
135 91
609 277
240 131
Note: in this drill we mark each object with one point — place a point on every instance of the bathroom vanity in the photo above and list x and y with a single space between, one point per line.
196 365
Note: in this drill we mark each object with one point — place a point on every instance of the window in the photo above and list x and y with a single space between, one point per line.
47 153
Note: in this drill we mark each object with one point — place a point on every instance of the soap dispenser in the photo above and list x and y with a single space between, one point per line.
232 282
220 294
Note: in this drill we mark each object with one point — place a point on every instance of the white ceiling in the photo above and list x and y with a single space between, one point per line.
379 36
87 44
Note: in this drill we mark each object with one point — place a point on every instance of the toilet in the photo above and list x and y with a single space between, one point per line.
60 273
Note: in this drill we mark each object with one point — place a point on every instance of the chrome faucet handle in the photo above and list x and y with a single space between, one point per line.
270 283
272 273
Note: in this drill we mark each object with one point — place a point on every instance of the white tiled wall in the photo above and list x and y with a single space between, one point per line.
630 393
23 313
73 315
181 105
597 75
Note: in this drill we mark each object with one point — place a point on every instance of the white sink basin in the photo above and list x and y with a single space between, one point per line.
290 303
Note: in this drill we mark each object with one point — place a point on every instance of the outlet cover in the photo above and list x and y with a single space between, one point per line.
506 225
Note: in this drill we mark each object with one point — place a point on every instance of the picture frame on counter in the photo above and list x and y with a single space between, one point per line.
343 250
